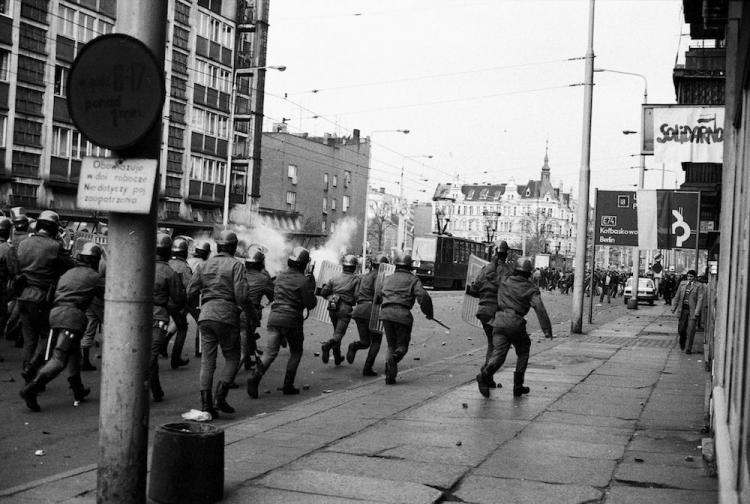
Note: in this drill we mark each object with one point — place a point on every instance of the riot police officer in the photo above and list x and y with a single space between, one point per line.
221 285
7 270
368 338
178 262
41 262
169 297
294 292
259 284
76 289
200 255
485 287
397 295
515 297
339 291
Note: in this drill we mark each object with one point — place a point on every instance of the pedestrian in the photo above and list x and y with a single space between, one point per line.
605 283
259 284
95 321
485 287
200 255
368 338
169 297
75 290
40 263
339 292
178 262
221 286
689 300
396 297
515 297
294 292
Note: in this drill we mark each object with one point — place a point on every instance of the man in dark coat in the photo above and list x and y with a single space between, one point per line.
689 300
178 262
368 338
339 291
259 284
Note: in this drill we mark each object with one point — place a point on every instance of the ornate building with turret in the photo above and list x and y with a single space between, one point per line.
536 216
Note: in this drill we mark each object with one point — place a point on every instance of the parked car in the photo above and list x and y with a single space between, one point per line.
646 290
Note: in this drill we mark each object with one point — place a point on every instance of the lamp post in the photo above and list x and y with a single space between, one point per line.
402 211
367 189
490 224
230 139
633 301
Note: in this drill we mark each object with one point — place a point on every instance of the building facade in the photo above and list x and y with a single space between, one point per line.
535 217
213 51
311 185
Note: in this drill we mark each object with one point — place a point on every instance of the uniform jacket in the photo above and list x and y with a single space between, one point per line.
397 295
194 262
259 284
18 238
169 293
7 263
342 285
485 286
692 295
41 260
76 289
363 295
292 293
220 282
183 269
515 297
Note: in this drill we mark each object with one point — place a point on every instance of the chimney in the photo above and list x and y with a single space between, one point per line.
355 136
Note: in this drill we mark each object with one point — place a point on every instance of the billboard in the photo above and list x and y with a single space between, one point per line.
683 133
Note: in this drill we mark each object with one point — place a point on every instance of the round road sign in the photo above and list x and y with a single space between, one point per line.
115 90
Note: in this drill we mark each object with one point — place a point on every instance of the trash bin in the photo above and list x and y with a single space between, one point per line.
187 464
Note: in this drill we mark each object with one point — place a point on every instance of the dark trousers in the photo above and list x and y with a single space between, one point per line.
340 321
158 337
686 328
502 339
398 337
67 354
214 335
181 325
35 326
368 339
295 338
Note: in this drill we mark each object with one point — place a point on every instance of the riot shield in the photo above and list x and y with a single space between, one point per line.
327 271
470 304
384 270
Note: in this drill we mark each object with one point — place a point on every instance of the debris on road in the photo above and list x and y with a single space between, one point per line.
39 453
464 405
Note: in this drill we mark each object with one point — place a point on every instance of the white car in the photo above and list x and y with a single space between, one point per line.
646 290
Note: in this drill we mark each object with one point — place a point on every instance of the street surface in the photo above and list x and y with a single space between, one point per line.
69 435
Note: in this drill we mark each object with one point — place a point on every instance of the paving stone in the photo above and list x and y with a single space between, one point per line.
432 473
666 475
352 487
633 495
621 381
531 444
247 494
587 433
642 394
548 468
454 455
607 406
583 419
487 490
675 459
665 441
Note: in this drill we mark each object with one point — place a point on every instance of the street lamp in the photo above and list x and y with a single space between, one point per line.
402 208
367 189
490 224
230 140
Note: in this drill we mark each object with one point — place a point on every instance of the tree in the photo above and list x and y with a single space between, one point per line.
538 227
384 218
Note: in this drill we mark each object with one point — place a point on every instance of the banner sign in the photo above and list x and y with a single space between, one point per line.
668 219
616 219
688 134
327 271
471 304
384 270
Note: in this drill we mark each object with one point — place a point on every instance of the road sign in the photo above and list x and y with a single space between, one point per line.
616 218
115 91
117 185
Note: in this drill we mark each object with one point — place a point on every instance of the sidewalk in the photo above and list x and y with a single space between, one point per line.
614 416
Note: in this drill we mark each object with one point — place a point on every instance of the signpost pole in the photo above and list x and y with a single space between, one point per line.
592 286
124 403
697 236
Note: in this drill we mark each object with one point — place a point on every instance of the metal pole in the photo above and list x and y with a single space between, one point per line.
592 286
576 323
697 237
124 402
230 152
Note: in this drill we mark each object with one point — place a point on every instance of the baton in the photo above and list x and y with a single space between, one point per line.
440 323
49 344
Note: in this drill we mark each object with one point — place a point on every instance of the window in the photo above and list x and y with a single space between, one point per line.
470 195
60 141
61 81
325 203
333 227
33 39
179 64
323 226
347 179
181 37
333 203
179 88
25 164
176 136
291 199
29 101
291 171
3 130
75 144
483 194
325 181
182 13
4 61
86 27
23 191
5 7
35 10
30 70
335 180
27 133
196 168
345 203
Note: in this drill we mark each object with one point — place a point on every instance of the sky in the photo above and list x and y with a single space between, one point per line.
483 86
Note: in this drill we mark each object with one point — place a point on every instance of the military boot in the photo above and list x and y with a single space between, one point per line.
28 372
30 391
254 380
337 357
79 391
289 388
518 388
391 370
325 351
483 383
351 352
86 364
207 404
221 404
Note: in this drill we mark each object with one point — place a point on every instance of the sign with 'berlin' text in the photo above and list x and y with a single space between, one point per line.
117 185
616 219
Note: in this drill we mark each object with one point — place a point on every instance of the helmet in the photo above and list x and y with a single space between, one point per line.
501 246
403 260
255 255
31 227
382 259
202 249
49 216
90 249
163 241
349 261
19 217
227 242
524 264
5 227
300 256
180 246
